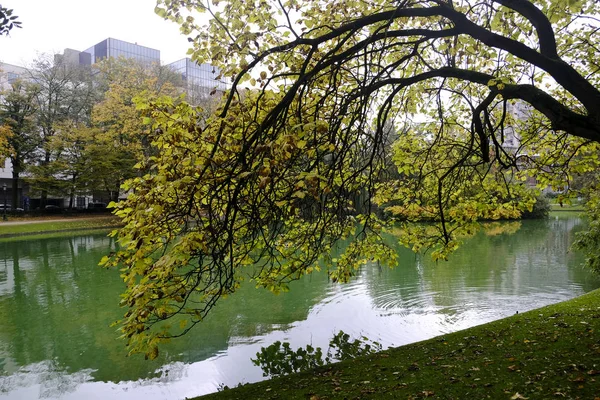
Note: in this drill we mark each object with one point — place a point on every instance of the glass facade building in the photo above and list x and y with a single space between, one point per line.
10 73
118 48
200 79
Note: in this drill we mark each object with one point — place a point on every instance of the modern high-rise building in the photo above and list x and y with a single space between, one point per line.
200 79
116 48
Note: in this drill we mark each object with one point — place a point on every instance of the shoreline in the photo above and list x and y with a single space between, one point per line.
548 352
49 226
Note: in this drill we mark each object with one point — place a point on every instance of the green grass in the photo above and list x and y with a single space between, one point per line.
54 234
566 214
552 352
59 224
567 207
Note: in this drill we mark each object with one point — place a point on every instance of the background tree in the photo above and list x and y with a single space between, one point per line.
65 93
71 170
91 132
5 134
17 113
121 139
262 190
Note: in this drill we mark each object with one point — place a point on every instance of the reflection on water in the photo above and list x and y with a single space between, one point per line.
56 306
51 381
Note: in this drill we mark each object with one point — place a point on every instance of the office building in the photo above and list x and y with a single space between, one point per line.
119 48
10 73
200 79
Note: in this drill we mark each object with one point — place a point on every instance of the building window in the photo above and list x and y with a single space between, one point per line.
12 77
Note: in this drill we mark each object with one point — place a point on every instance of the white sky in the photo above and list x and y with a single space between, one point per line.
50 26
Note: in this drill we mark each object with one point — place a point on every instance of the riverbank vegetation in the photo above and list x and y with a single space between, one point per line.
552 352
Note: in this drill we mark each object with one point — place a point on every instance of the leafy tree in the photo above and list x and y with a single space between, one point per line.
5 134
132 74
65 95
8 21
439 181
265 187
121 136
17 114
92 132
72 170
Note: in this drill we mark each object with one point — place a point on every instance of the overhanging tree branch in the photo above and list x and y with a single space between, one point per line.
276 177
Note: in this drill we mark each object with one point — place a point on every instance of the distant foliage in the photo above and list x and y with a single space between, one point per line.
540 209
279 359
589 240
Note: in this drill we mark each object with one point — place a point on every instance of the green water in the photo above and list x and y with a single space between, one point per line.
56 306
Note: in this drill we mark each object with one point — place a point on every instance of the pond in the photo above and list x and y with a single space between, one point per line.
56 307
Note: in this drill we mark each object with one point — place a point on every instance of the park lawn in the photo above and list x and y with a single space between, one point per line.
60 224
567 207
547 353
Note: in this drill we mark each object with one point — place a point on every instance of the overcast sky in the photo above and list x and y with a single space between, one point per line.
50 26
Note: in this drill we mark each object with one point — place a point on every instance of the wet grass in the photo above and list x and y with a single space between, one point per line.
54 234
548 353
567 207
20 227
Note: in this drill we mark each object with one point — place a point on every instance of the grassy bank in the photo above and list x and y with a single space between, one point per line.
16 228
552 352
567 207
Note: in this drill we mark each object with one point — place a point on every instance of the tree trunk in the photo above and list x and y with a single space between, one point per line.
72 192
16 170
44 194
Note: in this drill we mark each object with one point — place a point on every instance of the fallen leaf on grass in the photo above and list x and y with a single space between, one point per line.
518 396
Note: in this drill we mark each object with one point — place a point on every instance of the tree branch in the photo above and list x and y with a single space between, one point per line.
540 23
561 117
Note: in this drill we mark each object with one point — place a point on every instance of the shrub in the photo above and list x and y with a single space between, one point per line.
541 208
